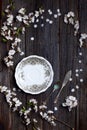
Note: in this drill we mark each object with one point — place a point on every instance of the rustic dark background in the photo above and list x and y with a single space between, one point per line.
58 45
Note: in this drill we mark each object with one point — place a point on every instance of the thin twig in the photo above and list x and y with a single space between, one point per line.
45 102
62 122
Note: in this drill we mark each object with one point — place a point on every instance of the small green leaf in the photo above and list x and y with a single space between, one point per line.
56 86
4 40
12 7
10 1
19 30
34 128
23 109
29 103
3 13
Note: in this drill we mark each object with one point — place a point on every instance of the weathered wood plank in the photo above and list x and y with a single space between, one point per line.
58 45
83 91
0 27
5 116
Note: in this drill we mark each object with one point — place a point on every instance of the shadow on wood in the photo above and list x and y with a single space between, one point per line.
2 126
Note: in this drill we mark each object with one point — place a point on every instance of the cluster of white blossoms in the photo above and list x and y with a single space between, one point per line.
69 18
14 49
10 33
30 18
11 98
25 113
71 102
32 106
82 39
48 115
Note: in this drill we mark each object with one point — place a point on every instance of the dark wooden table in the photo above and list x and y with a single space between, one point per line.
58 45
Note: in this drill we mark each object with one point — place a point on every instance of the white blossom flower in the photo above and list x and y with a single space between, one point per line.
15 28
49 119
72 90
23 30
42 17
42 107
33 101
34 120
10 63
35 25
50 12
25 22
35 108
50 112
37 20
31 14
19 49
28 121
15 99
71 21
59 14
71 102
32 38
14 44
3 89
41 11
81 80
36 14
53 123
10 18
82 37
13 93
76 27
6 10
44 115
21 112
17 40
58 10
47 20
42 25
65 19
22 11
77 87
41 113
71 14
11 52
55 15
19 18
27 111
25 17
9 38
21 53
6 59
32 19
4 28
55 108
18 103
50 22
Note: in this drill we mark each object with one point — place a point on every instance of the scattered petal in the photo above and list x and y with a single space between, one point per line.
32 38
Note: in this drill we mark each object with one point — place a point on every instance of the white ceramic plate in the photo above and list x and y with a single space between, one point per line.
34 74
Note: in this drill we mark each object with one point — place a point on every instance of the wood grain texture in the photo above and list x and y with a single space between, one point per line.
58 45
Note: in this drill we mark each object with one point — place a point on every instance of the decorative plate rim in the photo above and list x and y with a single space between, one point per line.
27 91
